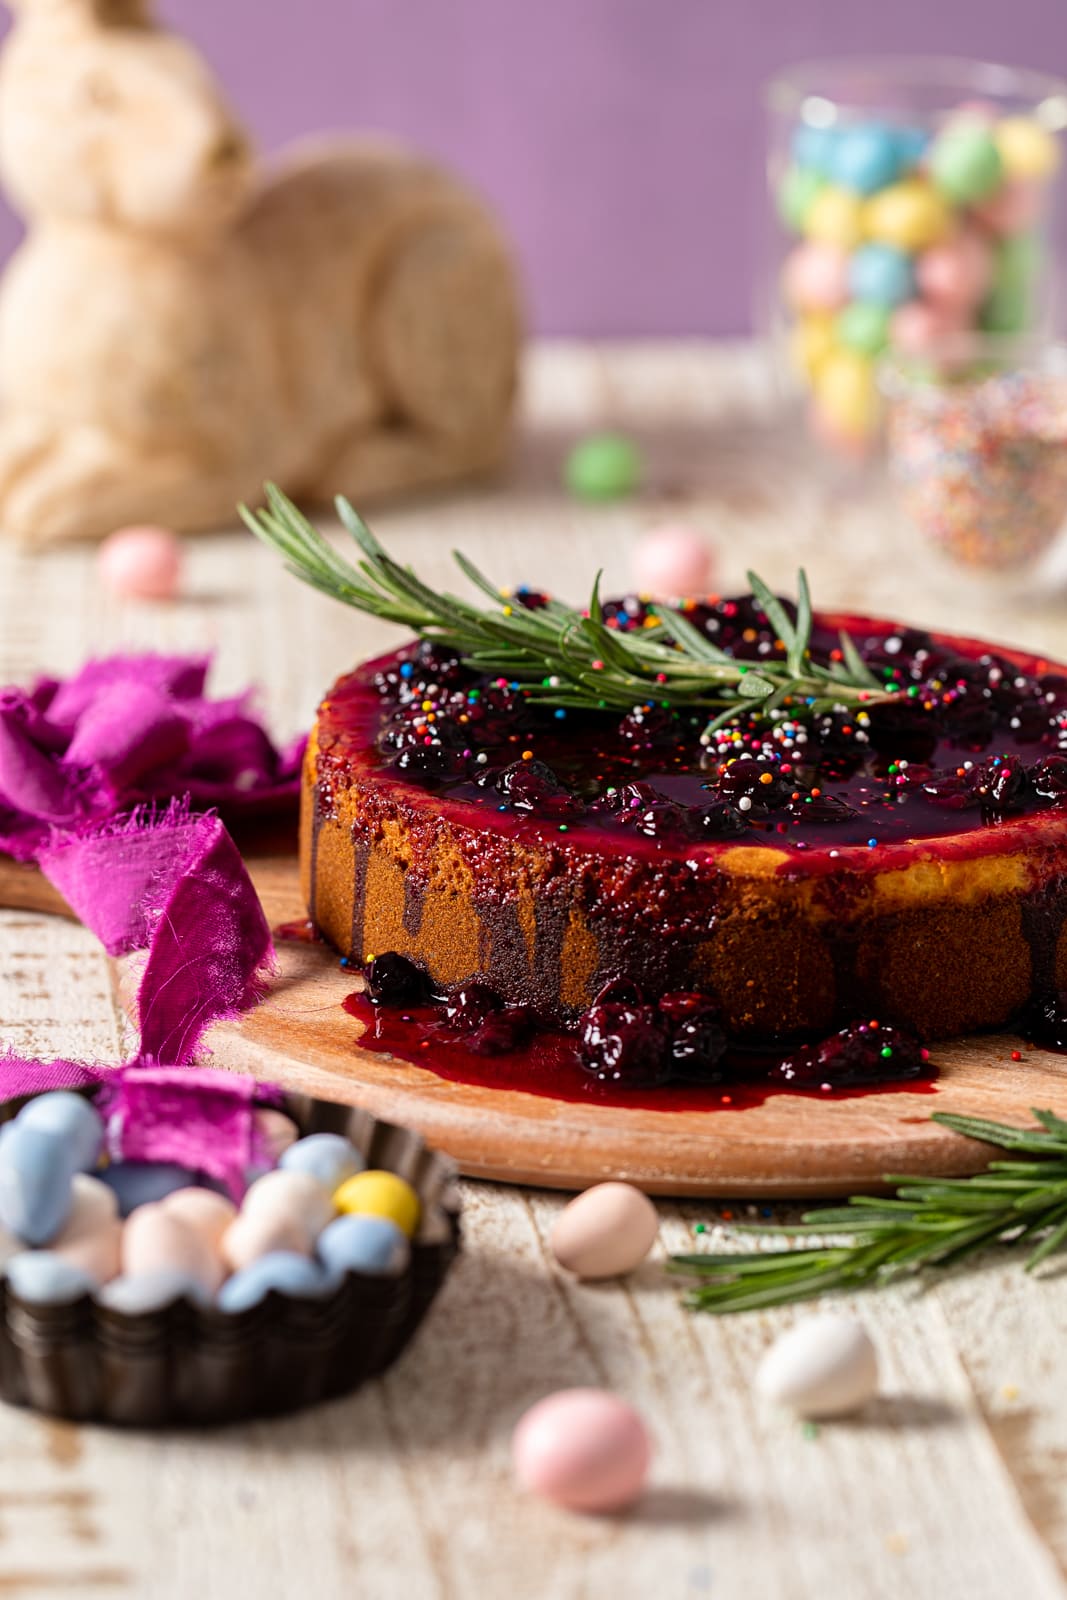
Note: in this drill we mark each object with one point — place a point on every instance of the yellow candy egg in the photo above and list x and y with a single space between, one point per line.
380 1194
811 340
846 392
835 217
910 214
1027 150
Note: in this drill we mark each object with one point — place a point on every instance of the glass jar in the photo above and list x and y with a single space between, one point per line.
912 201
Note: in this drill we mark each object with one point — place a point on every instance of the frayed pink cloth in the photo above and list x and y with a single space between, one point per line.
128 729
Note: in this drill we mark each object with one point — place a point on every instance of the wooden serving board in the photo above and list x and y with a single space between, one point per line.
792 1145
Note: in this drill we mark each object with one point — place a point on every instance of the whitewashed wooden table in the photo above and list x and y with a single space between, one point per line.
952 1485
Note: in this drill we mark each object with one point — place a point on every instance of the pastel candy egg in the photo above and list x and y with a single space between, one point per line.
815 277
810 341
142 563
797 190
294 1196
825 1366
835 216
965 163
9 1246
605 466
329 1158
672 561
912 144
814 148
153 1238
288 1273
846 393
1026 149
207 1213
248 1238
957 273
381 1194
848 443
151 1291
1007 307
910 214
606 1231
276 1130
71 1117
356 1243
882 274
92 1234
863 326
140 1183
36 1172
865 158
43 1278
583 1449
1013 208
916 328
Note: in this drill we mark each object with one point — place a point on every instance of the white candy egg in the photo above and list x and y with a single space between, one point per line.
91 1237
295 1196
606 1231
250 1237
825 1366
205 1211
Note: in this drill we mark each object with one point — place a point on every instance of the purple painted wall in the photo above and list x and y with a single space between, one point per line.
620 139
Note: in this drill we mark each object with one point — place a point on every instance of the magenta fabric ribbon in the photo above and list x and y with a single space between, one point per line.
161 878
130 729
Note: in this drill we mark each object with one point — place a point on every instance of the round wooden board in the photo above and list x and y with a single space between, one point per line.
792 1145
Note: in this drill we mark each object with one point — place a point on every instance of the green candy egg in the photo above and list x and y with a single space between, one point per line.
863 327
797 190
1008 306
965 163
605 466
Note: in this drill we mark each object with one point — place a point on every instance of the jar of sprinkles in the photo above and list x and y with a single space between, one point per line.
977 448
911 202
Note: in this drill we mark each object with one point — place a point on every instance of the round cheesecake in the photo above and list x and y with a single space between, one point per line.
905 862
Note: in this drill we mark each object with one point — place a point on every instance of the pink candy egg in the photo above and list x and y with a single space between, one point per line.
671 562
209 1214
154 1238
276 1130
91 1237
141 563
956 275
584 1449
815 277
917 328
1013 208
291 1197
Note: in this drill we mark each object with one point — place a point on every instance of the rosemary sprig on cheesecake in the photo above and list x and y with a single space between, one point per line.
929 1223
568 657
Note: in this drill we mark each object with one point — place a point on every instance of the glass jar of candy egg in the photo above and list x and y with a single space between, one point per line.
913 201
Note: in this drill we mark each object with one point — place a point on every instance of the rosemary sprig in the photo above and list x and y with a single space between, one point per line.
928 1223
569 657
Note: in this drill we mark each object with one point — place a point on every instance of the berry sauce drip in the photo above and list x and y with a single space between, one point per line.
970 742
670 1054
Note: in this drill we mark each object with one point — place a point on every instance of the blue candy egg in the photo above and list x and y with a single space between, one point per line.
47 1279
150 1291
36 1173
363 1243
881 273
71 1117
912 145
279 1269
814 148
140 1183
328 1157
865 158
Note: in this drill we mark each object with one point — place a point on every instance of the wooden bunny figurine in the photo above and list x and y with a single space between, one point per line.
175 329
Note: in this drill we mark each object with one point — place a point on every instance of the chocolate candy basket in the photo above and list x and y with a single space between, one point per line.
191 1364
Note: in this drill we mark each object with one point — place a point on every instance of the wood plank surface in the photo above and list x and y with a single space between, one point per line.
952 1486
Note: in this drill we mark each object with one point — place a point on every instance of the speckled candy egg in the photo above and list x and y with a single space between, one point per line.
141 563
672 561
584 1449
911 215
835 217
964 161
606 1231
825 1366
957 273
882 275
815 278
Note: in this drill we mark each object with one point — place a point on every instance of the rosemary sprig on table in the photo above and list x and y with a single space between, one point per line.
929 1223
569 657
